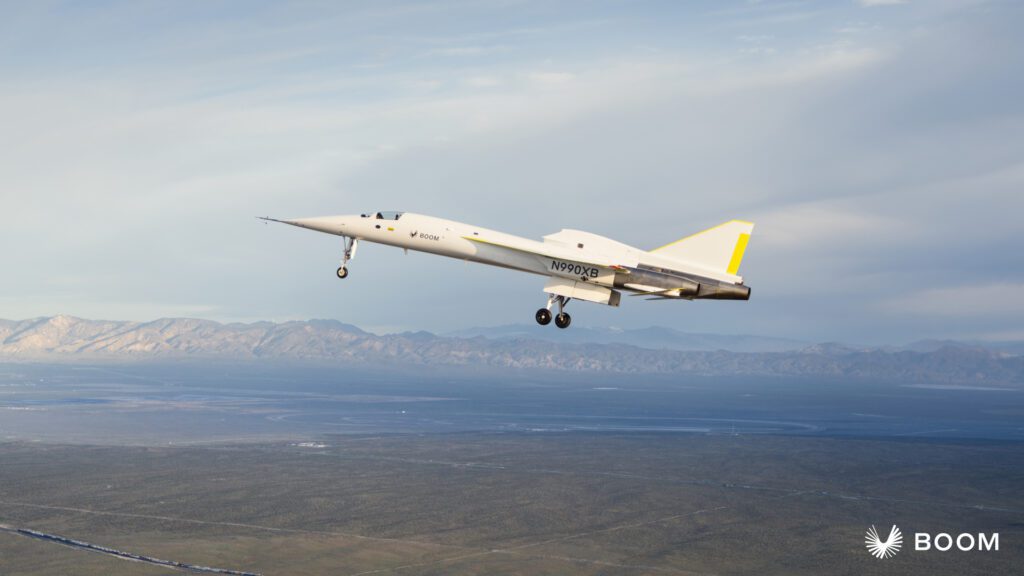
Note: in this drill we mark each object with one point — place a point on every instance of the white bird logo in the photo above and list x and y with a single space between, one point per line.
885 549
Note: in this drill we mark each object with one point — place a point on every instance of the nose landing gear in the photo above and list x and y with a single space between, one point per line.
350 253
562 319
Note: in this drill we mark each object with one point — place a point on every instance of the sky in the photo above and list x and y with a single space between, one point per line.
878 145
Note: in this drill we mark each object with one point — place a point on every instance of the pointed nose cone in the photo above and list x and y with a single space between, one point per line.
328 224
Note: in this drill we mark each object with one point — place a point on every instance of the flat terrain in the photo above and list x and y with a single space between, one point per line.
515 503
307 469
204 403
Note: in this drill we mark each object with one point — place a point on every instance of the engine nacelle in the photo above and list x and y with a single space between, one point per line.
723 292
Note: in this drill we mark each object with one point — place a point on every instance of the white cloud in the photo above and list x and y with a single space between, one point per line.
820 226
483 81
873 3
755 38
551 78
999 300
467 51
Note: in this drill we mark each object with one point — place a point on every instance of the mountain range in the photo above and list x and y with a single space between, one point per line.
652 350
653 337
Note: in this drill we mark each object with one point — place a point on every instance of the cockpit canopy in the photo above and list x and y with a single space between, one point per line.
390 215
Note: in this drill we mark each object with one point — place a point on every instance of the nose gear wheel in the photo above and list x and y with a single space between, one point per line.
348 254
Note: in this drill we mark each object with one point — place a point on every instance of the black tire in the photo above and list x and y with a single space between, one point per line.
342 272
543 316
563 320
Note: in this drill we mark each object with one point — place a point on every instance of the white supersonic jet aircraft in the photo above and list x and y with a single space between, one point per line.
578 264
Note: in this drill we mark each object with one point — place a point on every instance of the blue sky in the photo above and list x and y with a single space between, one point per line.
879 147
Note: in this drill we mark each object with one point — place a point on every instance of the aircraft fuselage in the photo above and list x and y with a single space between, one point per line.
579 264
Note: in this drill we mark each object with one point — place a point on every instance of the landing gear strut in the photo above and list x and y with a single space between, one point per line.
562 320
350 253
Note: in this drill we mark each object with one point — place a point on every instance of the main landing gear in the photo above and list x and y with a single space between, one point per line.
562 320
543 316
350 253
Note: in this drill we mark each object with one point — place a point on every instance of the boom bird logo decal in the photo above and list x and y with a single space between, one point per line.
413 233
886 549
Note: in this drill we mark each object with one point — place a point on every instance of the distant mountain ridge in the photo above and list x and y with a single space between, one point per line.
653 337
65 338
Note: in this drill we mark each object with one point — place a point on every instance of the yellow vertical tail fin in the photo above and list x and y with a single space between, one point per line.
719 248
